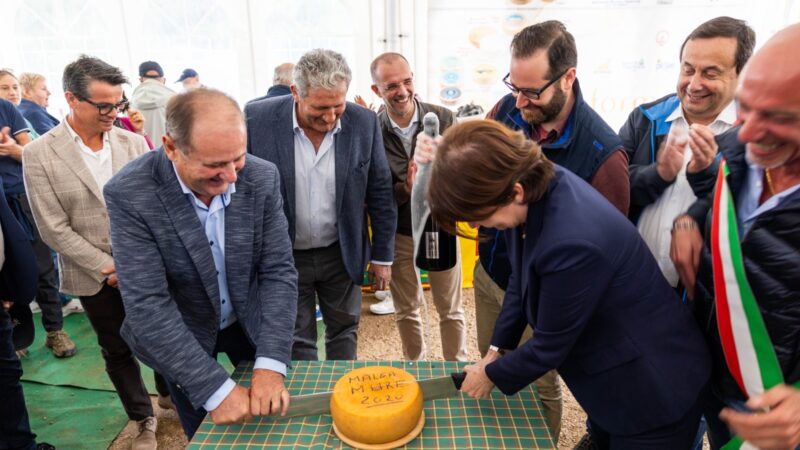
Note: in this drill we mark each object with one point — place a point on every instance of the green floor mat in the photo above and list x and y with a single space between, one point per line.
86 369
73 418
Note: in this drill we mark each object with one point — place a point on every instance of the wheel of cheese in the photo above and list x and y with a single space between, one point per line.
377 405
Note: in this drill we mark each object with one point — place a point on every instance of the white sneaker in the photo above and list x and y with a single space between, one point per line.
383 295
74 306
35 309
385 306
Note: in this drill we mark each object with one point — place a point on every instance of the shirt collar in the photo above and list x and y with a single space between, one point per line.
296 124
726 116
414 119
226 196
78 139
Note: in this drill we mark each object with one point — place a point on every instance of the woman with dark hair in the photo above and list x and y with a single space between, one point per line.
583 279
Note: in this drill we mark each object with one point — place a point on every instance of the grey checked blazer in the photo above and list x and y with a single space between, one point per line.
68 206
169 281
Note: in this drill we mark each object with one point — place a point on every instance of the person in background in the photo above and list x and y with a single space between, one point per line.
48 300
281 82
65 171
545 103
18 279
711 58
10 90
190 79
132 121
150 98
35 99
334 174
763 158
401 121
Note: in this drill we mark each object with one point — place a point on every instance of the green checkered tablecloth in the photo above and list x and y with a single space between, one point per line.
455 423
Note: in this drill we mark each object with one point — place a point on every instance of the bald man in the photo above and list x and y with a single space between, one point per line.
205 263
763 156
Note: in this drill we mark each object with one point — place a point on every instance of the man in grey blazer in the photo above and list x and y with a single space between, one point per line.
64 173
331 160
205 263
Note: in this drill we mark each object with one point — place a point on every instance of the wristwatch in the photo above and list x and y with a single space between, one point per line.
497 349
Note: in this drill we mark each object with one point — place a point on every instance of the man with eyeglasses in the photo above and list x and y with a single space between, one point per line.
547 105
65 171
150 98
401 122
670 141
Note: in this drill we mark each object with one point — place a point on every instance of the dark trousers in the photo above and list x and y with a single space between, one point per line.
675 436
47 294
106 313
15 430
233 342
321 274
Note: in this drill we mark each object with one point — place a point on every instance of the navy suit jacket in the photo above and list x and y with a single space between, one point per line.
602 314
18 271
362 176
168 278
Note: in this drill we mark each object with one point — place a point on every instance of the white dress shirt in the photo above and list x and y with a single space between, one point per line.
98 162
655 223
315 189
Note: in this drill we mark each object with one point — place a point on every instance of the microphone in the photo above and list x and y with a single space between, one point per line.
430 124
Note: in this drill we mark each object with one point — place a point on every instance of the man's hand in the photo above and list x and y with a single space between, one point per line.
111 275
425 150
410 176
669 159
9 146
778 428
380 275
703 147
685 249
137 120
268 395
234 409
477 385
7 305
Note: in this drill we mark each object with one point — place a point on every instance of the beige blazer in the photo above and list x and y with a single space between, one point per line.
68 205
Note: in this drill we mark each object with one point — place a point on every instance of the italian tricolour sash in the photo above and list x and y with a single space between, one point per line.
748 350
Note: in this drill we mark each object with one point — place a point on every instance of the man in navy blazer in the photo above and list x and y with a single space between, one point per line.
331 159
204 262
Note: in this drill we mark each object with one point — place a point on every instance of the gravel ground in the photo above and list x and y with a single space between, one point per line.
378 340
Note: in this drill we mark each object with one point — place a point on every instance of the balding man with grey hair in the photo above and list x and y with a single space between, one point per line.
204 263
332 163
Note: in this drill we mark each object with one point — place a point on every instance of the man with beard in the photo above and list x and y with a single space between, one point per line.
547 105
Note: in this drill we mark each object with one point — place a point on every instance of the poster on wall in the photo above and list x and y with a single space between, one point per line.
628 50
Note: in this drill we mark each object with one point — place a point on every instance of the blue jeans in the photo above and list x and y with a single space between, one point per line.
15 430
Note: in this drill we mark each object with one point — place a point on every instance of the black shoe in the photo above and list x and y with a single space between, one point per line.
44 446
586 443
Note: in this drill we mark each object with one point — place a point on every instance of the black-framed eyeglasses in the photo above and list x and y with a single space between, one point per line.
105 108
530 94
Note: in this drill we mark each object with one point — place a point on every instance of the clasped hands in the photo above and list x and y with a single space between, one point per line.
267 395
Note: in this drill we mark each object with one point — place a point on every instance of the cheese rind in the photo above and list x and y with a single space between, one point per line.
376 404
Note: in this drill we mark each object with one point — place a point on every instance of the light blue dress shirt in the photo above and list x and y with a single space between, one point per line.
747 207
212 218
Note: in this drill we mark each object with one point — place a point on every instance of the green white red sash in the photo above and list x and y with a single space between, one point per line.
748 350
